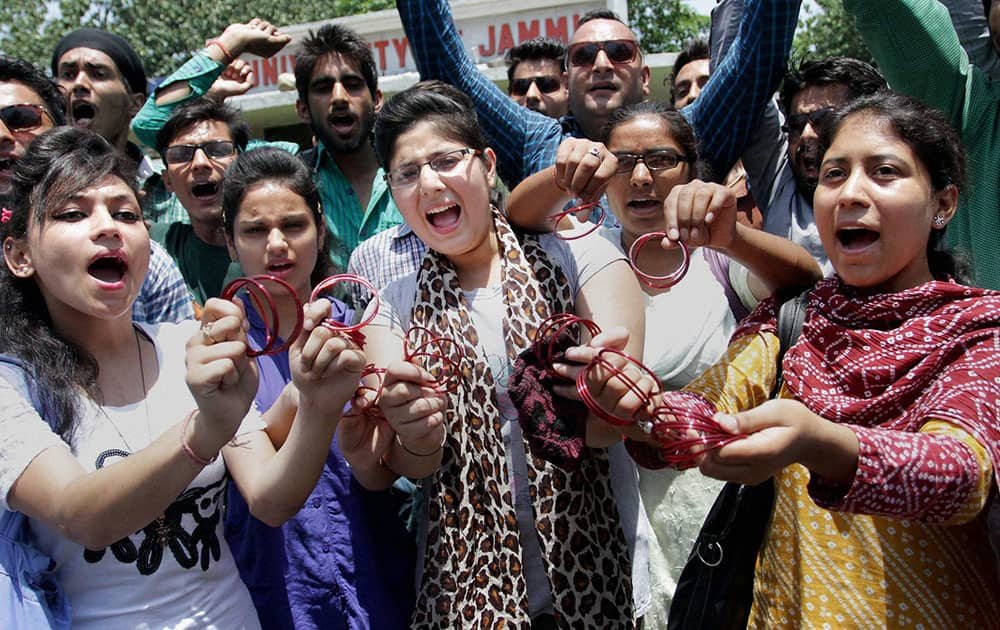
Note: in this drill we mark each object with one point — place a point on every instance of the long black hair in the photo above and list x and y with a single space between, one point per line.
57 165
938 147
268 164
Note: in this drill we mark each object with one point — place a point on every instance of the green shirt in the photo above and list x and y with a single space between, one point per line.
347 223
206 268
919 53
200 72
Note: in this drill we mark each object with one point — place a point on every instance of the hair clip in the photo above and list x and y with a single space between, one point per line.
5 215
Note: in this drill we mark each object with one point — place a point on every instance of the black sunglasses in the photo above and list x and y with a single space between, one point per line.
546 85
618 51
656 160
23 117
796 123
183 153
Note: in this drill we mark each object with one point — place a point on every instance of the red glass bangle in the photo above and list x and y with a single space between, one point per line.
352 331
657 282
373 408
686 434
258 292
550 329
557 217
434 348
616 372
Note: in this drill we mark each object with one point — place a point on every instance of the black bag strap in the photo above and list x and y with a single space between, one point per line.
791 316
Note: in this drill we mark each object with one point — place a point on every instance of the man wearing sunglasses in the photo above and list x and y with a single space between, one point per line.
782 160
197 143
605 70
29 105
536 76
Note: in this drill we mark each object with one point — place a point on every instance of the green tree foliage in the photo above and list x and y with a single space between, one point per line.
665 25
828 31
164 32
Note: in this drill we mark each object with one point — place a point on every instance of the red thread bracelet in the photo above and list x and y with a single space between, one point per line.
194 457
225 51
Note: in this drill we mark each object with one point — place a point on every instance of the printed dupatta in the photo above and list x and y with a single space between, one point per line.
473 573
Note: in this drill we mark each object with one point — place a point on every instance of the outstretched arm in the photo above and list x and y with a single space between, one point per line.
729 107
524 140
325 368
214 67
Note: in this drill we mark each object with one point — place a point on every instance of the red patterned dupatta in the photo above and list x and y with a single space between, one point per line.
896 360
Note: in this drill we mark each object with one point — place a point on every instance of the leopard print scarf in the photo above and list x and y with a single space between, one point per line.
472 567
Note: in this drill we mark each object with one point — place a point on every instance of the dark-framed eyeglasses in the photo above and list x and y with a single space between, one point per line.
445 164
546 85
795 123
184 153
619 51
23 116
657 160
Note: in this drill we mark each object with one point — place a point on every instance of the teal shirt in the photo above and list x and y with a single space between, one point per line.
342 210
919 53
200 71
207 269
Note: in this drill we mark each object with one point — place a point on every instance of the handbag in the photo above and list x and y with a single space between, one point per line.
30 594
715 588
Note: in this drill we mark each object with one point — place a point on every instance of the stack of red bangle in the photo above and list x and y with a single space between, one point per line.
657 282
685 433
258 291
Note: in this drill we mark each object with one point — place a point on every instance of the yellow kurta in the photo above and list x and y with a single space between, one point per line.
824 569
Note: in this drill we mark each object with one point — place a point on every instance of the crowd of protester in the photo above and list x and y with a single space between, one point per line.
486 359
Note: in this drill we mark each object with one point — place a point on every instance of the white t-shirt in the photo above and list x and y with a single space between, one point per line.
174 573
580 260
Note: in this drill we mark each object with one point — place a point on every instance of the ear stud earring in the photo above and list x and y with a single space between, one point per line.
938 221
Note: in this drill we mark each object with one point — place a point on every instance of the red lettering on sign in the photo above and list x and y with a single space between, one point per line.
400 46
506 39
269 71
556 29
492 40
527 31
381 45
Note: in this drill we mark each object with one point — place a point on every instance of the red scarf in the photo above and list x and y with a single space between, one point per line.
896 360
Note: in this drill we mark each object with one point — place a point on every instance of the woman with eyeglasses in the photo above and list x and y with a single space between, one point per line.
646 167
119 437
505 538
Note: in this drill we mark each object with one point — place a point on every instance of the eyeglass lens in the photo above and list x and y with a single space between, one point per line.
21 117
546 85
181 153
617 50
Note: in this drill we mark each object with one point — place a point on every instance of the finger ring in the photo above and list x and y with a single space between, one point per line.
206 331
594 151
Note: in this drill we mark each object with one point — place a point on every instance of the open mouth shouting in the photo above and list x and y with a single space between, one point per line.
444 218
856 238
109 269
82 113
342 122
645 207
207 191
7 162
280 267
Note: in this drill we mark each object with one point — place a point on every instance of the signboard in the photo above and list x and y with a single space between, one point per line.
488 29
